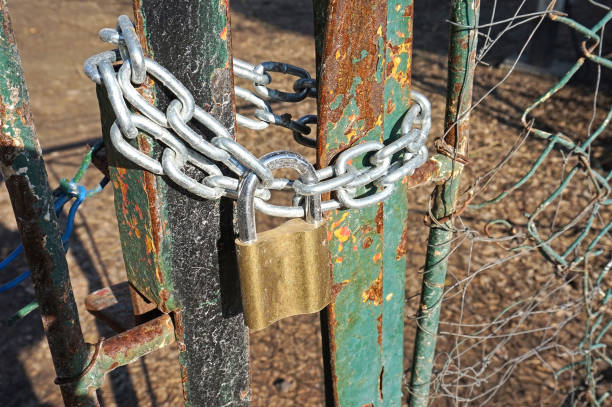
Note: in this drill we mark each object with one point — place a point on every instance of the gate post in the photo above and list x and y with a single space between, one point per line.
178 249
23 169
363 60
461 66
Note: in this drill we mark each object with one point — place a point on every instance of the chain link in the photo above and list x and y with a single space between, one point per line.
387 164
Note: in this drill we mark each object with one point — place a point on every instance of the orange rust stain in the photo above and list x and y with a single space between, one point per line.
351 31
354 248
336 288
342 234
423 174
379 329
122 343
377 257
402 248
379 219
339 260
149 244
374 292
223 34
163 295
337 223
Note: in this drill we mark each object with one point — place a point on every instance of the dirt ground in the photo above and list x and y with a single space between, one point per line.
56 36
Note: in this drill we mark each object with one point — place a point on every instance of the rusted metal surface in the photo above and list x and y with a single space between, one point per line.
363 59
436 170
461 66
178 249
124 348
23 170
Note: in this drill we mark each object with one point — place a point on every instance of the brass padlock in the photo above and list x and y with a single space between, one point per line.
283 271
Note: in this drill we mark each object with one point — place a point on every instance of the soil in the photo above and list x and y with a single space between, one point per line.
56 36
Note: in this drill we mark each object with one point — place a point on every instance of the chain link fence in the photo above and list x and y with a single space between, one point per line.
526 314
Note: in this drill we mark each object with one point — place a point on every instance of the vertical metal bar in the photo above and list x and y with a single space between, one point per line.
398 64
178 249
461 66
364 90
23 169
192 39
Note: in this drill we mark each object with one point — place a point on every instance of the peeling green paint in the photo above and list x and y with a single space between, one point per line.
365 320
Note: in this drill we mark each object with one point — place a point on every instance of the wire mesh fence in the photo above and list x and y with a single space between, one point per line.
526 315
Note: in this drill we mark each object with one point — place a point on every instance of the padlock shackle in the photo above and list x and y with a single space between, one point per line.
247 231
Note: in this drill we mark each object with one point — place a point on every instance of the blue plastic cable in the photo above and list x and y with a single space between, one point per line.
61 200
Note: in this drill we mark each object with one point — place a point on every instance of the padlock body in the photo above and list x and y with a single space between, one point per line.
284 272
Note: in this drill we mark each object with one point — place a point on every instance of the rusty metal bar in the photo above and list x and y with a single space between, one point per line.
461 66
23 169
363 59
124 348
178 249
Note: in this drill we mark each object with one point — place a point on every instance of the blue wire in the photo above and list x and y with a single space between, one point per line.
62 199
12 256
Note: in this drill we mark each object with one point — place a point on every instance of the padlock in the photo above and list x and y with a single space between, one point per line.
283 271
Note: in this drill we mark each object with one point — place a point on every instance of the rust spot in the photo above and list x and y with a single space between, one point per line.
336 288
342 234
367 242
163 296
7 26
121 344
403 245
351 55
374 293
379 219
179 333
423 174
379 329
366 228
136 4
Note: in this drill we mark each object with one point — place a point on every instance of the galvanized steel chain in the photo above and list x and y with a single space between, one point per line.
387 164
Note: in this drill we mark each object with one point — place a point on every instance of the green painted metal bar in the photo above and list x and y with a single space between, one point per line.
398 63
178 249
23 170
364 91
461 66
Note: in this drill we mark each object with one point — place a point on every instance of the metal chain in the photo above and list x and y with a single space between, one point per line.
388 164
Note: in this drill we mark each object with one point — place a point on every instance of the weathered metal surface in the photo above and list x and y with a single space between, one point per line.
398 62
363 58
461 66
23 170
179 249
139 209
284 272
436 170
124 348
